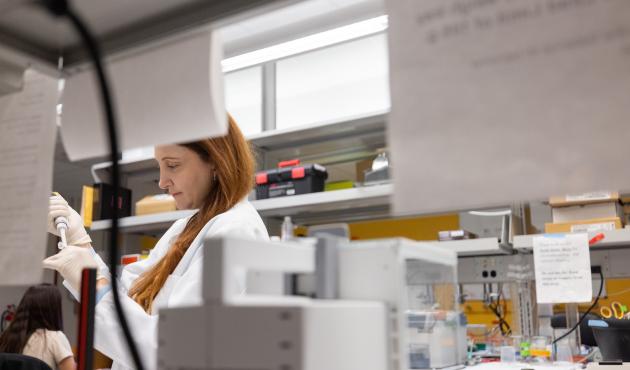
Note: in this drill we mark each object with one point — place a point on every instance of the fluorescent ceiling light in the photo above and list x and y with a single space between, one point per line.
318 40
506 212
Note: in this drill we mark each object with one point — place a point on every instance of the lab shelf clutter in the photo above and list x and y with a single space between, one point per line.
364 197
358 135
613 239
351 139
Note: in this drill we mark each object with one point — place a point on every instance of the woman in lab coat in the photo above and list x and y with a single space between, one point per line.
214 176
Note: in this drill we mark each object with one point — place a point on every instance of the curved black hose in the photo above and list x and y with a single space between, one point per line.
62 8
599 294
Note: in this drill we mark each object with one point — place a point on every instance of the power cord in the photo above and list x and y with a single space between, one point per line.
499 312
599 294
62 8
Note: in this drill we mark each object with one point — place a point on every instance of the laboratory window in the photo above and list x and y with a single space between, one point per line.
334 83
243 98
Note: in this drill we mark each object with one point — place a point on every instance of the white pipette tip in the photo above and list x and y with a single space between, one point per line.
61 223
63 243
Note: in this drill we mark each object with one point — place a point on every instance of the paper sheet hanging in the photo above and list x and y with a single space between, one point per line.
164 95
496 101
562 267
27 142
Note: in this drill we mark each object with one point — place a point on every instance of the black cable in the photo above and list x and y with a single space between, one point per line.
496 309
599 294
62 8
508 329
504 327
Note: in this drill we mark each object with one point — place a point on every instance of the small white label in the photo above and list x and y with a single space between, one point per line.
588 228
562 268
595 195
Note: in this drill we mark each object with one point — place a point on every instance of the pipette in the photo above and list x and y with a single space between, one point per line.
61 223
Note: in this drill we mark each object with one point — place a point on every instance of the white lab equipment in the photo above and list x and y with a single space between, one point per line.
418 282
387 289
232 331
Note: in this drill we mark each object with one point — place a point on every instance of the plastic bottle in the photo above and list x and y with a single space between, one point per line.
286 231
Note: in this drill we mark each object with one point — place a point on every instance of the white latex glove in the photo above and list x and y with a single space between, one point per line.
70 262
76 234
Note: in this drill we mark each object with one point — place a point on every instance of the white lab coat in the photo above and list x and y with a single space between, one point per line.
182 288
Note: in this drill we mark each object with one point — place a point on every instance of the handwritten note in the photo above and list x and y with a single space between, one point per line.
562 267
27 141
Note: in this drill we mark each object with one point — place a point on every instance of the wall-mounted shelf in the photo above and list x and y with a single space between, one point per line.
475 247
347 139
144 223
319 132
325 204
331 206
612 239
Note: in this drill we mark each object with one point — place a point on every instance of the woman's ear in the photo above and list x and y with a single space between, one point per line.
213 171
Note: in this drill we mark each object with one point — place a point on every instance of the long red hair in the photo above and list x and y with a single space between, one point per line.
234 169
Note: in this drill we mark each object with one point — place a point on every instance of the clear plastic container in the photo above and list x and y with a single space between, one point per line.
515 341
563 353
508 354
540 348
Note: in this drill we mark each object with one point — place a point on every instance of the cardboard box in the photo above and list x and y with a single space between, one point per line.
155 204
592 225
447 235
586 212
586 198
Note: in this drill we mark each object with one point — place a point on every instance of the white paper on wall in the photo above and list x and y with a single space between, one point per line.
496 101
562 266
27 143
164 95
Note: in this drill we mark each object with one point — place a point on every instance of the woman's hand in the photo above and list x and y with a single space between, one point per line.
70 263
76 234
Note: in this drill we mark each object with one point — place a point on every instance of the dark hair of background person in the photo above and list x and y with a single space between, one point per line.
40 308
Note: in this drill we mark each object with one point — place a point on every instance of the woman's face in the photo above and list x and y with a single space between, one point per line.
184 175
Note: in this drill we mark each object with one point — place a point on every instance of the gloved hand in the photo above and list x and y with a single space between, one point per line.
76 234
70 262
